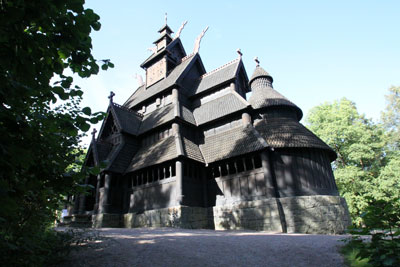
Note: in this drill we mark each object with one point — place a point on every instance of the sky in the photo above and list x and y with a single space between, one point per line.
316 51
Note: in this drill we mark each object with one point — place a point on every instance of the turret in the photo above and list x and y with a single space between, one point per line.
265 97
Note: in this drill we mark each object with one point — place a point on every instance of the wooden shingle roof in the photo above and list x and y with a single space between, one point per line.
192 150
288 133
234 142
161 151
260 72
128 120
172 79
157 118
219 108
218 76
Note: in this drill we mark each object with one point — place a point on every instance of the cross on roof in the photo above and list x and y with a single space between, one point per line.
239 52
111 96
257 61
94 133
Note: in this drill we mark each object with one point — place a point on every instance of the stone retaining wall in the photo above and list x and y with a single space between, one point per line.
179 216
306 214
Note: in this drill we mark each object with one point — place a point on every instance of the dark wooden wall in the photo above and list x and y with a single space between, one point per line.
302 172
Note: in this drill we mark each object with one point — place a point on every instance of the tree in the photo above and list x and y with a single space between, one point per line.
360 146
39 40
391 117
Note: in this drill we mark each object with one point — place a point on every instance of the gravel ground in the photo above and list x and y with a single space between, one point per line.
183 247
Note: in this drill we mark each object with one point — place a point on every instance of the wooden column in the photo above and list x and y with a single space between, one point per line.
269 182
82 199
105 201
246 119
96 205
179 182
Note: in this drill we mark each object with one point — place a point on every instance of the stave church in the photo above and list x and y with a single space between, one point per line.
215 149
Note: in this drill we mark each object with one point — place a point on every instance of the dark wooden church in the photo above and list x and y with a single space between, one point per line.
188 149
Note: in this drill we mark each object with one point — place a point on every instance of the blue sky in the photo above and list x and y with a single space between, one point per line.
316 51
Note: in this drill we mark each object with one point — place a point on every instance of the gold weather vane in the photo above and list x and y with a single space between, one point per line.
198 39
178 33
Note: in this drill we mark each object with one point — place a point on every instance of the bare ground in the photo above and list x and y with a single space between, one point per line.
184 247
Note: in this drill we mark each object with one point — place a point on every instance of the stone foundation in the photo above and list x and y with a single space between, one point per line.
106 220
77 220
179 216
306 214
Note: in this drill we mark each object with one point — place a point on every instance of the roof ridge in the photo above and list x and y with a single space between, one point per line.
220 67
186 57
129 110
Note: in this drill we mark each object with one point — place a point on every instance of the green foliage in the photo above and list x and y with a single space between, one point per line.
360 146
367 173
391 117
40 134
381 222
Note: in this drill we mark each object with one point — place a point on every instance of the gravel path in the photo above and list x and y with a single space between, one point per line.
183 247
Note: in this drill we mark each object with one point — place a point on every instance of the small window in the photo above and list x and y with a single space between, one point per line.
167 172
249 163
161 172
257 161
224 169
232 167
215 171
239 165
150 175
173 169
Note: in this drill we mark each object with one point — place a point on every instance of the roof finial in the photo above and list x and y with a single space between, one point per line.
239 52
166 18
257 61
180 29
139 78
198 39
94 133
111 96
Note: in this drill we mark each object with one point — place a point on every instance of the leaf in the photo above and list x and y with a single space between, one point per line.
87 111
84 127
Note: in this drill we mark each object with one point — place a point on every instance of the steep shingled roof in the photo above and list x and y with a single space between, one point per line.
161 151
265 96
287 133
103 150
218 108
260 72
268 97
218 76
146 93
157 118
128 120
187 115
123 157
192 150
234 142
